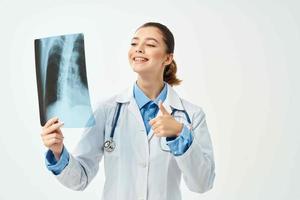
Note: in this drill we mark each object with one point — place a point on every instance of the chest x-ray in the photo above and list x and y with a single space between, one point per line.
62 80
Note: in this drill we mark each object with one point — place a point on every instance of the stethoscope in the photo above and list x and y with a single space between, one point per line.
110 145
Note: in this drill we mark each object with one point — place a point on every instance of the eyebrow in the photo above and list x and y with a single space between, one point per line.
148 38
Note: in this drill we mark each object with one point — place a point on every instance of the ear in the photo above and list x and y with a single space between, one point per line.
169 59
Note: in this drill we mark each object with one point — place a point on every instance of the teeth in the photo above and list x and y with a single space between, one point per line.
140 59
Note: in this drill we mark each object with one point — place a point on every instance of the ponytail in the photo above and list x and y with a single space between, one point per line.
170 74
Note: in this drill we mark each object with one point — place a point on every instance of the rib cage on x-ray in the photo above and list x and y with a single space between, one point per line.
62 82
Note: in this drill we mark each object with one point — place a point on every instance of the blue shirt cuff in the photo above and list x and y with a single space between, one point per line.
179 145
57 166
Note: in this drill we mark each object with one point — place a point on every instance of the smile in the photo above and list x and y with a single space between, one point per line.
140 59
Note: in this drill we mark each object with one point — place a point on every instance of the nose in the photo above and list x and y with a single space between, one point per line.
139 51
139 48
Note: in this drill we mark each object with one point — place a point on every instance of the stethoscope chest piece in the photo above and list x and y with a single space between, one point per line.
109 145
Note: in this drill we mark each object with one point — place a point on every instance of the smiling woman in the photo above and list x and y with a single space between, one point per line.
148 135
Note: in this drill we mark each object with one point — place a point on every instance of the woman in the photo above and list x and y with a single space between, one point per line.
153 146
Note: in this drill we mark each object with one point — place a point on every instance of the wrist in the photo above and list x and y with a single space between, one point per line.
57 154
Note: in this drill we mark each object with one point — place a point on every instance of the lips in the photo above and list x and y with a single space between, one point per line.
139 59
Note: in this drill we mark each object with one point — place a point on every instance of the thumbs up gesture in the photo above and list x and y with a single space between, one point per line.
165 125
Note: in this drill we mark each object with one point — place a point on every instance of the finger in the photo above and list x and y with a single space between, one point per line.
163 109
53 128
157 119
53 135
156 131
49 138
157 124
50 122
59 131
52 142
153 121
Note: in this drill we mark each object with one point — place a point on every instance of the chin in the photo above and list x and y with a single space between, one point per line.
140 68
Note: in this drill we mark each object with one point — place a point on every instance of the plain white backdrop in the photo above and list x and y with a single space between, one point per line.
239 61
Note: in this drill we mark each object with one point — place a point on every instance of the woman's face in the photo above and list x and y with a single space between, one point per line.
147 54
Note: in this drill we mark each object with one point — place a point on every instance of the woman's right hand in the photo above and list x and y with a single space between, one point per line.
52 136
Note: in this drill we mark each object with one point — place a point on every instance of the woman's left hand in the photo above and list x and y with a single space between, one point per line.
165 125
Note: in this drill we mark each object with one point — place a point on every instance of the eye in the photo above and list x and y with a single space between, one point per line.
150 45
133 44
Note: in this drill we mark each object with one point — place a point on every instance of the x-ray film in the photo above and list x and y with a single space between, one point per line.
62 81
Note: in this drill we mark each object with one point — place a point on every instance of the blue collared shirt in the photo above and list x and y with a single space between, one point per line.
178 145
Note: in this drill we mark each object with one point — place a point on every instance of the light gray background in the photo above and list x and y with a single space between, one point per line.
239 61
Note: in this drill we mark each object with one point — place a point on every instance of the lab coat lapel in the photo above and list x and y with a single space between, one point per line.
134 109
127 97
135 126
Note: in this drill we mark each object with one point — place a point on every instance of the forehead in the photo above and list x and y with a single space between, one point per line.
148 33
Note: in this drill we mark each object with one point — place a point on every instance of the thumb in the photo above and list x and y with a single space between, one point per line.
163 109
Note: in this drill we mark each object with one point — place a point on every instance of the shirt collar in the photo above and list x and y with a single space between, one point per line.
142 99
172 100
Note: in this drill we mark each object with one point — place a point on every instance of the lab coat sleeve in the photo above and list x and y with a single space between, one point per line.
197 163
84 161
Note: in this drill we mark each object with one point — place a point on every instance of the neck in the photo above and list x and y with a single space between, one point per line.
151 88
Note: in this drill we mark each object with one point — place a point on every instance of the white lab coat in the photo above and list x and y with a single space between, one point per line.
138 169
